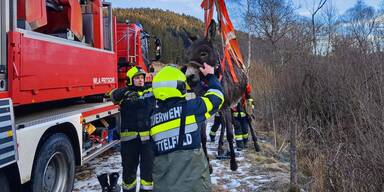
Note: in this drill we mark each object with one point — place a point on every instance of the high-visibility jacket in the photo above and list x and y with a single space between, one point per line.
166 119
134 123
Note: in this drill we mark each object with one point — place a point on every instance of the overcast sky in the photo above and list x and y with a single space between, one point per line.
192 7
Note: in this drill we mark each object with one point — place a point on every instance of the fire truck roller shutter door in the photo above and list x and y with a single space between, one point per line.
4 24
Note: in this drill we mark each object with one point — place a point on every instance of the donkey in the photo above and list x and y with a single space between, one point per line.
202 51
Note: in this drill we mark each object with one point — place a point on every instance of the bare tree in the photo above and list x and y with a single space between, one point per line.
379 30
329 15
244 10
250 24
360 20
317 5
273 18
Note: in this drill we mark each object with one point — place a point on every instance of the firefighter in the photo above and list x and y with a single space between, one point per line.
136 147
240 119
249 104
180 164
241 126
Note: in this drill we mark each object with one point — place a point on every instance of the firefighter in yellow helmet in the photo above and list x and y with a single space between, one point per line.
136 147
180 164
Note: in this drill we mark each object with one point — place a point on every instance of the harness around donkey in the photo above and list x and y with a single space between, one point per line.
202 51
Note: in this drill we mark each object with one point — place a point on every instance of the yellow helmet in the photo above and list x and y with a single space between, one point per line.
134 71
169 82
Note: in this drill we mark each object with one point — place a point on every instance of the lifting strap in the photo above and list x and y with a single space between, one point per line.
231 47
182 125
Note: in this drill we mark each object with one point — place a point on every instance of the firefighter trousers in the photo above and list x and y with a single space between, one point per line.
241 126
133 153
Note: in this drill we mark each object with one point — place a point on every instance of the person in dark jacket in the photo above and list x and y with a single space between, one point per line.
136 147
180 164
241 126
241 117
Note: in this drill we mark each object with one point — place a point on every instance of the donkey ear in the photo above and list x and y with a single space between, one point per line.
211 31
191 37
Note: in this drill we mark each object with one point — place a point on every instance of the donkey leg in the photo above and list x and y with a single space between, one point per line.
220 150
204 144
253 134
229 130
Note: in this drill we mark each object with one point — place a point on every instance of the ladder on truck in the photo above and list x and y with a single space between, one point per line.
8 152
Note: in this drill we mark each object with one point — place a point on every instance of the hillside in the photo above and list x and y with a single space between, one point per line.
167 26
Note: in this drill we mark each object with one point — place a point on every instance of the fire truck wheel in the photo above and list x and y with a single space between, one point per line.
4 183
54 166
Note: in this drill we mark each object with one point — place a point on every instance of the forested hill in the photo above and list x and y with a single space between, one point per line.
167 26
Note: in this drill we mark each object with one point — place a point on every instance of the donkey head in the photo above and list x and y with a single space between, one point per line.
202 51
199 52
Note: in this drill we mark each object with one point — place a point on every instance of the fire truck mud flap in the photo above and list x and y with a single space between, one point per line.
4 183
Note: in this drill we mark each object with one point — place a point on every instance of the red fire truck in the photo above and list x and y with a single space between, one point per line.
54 56
132 49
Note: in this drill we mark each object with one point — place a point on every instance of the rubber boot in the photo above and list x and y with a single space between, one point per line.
113 186
239 145
245 143
103 180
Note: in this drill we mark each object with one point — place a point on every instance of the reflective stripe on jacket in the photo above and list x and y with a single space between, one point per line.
130 135
165 120
134 114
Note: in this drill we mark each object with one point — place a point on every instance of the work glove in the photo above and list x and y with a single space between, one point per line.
110 96
109 93
131 96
